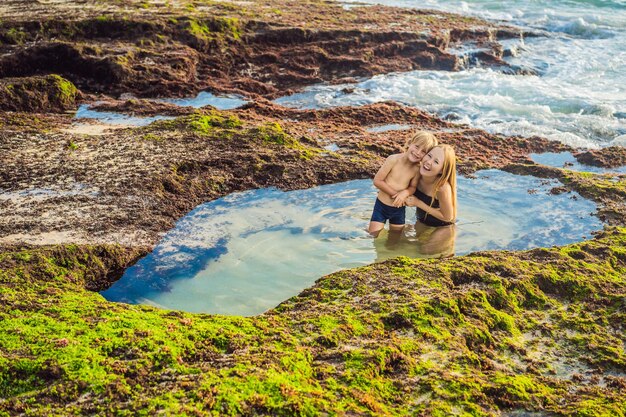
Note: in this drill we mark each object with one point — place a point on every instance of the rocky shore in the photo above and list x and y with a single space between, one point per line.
491 333
260 48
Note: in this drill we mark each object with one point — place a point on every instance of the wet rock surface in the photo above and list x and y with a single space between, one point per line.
609 157
50 93
256 48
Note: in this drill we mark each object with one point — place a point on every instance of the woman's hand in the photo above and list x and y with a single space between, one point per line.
411 201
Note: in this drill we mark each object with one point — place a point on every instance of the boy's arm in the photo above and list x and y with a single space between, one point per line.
381 175
413 184
400 198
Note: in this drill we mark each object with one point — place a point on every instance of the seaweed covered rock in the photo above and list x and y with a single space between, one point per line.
50 93
260 48
484 334
611 157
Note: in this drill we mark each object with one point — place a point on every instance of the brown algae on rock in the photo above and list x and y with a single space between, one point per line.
180 47
50 93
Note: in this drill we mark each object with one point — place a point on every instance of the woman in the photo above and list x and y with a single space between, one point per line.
435 199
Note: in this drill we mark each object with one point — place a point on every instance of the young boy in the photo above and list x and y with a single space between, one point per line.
396 180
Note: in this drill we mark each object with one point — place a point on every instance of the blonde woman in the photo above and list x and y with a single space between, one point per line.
435 199
435 196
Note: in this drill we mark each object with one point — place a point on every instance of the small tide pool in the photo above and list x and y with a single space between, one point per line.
568 161
247 252
389 128
204 98
112 118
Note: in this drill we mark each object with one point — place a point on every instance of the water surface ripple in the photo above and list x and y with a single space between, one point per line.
247 252
578 98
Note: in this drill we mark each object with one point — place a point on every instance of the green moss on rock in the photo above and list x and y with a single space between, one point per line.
472 335
50 93
211 123
222 125
13 35
272 132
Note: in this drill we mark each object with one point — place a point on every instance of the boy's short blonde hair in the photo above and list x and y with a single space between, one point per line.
422 139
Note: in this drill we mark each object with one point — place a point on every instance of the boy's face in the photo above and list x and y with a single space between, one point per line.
415 153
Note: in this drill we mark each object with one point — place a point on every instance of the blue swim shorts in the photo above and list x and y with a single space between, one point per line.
382 212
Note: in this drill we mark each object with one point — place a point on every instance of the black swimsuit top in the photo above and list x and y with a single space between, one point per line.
428 220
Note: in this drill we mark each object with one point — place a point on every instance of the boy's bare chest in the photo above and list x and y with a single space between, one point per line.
403 173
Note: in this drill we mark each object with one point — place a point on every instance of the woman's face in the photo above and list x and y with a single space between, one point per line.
432 164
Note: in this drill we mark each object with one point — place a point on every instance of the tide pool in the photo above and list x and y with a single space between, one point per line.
247 252
112 118
204 98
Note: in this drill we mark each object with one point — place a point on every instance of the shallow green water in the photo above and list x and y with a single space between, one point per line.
247 252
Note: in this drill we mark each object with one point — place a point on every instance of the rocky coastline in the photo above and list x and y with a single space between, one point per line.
490 333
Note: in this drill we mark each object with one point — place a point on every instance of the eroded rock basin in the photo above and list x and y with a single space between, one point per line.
247 252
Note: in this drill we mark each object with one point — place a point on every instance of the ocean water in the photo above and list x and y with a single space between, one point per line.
247 252
578 96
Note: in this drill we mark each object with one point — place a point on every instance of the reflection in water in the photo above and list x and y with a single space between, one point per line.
416 241
435 241
247 252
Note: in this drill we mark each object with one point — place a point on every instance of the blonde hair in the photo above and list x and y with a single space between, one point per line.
422 139
448 175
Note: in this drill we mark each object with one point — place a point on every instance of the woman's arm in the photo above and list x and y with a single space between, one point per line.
445 212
